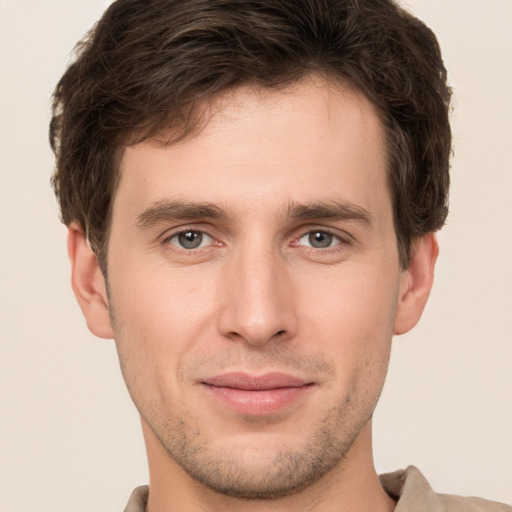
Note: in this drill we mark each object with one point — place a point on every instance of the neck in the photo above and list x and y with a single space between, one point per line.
352 485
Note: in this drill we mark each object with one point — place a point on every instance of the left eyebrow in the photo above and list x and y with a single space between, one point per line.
340 211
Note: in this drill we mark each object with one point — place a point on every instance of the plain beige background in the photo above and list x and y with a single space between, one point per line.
69 436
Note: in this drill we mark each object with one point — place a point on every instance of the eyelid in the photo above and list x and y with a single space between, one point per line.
183 228
343 236
334 239
166 237
206 240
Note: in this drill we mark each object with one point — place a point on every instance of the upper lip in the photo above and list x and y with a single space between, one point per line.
244 381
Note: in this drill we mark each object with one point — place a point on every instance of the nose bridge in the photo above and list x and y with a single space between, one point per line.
260 300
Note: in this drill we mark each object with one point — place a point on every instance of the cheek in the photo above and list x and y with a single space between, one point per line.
350 299
350 316
156 323
159 317
168 303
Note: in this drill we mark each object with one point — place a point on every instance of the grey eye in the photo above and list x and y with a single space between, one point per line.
319 239
189 239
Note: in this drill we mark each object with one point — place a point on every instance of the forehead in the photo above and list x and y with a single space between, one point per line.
313 141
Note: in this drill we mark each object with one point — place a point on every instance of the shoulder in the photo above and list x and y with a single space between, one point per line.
472 504
412 491
138 499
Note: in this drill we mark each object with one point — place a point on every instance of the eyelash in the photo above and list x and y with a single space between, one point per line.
167 240
343 241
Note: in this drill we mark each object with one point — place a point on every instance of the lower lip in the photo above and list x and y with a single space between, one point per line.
258 402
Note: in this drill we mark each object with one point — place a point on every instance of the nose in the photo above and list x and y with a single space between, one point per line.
258 301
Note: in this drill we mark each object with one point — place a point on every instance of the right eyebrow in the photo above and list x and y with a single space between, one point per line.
177 210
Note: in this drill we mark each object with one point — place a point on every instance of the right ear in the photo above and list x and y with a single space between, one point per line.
88 283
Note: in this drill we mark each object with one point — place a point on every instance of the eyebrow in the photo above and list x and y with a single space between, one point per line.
178 210
333 210
165 210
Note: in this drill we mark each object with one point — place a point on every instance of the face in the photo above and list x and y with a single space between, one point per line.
254 284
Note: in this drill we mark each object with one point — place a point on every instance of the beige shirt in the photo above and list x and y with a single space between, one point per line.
409 487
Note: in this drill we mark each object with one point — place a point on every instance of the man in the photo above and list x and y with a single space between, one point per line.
252 191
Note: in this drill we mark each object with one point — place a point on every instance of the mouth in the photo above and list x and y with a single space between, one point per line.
257 395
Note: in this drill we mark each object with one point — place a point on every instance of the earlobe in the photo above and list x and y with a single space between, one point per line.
88 283
416 283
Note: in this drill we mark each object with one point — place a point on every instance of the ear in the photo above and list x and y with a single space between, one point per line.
88 283
416 283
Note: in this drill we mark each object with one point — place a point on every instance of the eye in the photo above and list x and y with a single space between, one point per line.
190 239
319 240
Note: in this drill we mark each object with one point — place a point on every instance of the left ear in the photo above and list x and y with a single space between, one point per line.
416 283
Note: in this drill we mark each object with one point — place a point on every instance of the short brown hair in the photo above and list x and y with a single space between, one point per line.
146 66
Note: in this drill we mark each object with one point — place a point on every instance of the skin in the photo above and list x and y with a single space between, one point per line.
258 295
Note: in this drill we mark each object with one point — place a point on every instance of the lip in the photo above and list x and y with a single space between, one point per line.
257 395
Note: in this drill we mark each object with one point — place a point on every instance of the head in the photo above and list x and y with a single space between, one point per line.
142 74
252 189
